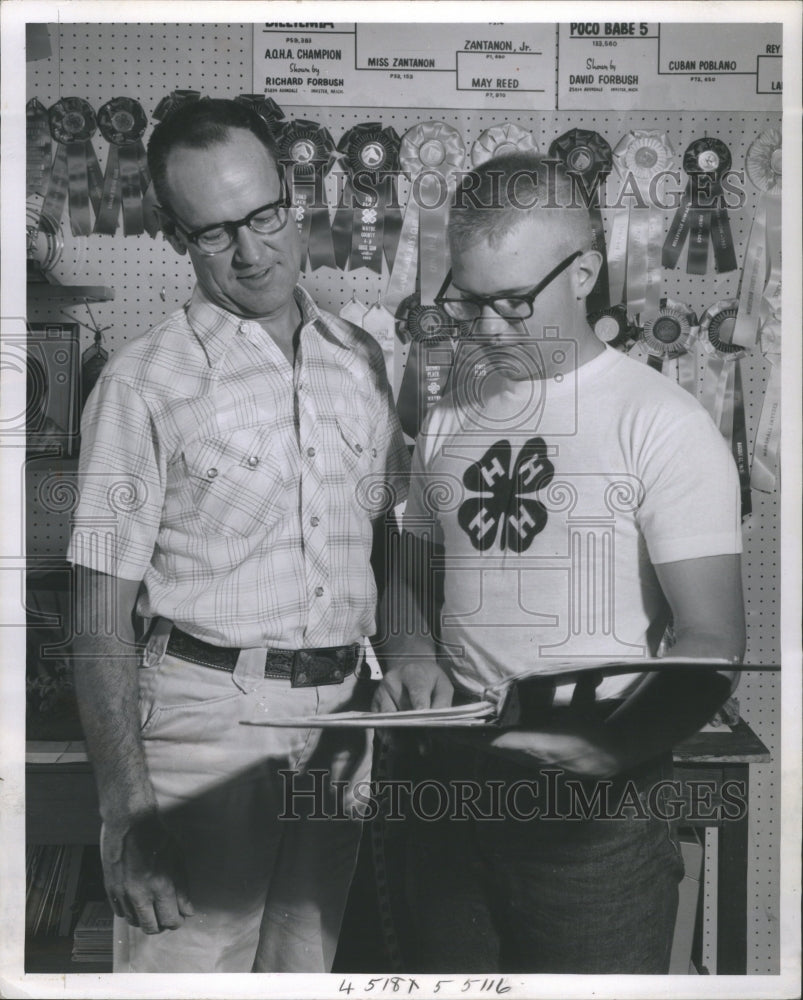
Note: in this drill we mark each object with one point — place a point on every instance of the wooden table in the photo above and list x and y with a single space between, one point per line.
721 756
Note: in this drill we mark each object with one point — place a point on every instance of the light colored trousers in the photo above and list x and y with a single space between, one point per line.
268 890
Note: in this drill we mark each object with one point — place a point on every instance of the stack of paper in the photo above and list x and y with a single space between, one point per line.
92 941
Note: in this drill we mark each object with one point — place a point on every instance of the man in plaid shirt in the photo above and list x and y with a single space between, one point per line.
237 464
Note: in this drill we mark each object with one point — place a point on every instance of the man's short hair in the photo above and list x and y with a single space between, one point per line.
199 125
494 198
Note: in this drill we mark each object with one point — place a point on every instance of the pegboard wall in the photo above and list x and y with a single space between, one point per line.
146 62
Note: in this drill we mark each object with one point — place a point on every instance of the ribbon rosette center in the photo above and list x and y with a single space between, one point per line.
122 121
580 159
372 155
432 153
302 151
666 329
708 161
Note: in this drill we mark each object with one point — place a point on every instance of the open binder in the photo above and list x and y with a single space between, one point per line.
503 704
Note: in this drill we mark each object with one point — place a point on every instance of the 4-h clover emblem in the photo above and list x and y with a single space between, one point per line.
506 504
369 215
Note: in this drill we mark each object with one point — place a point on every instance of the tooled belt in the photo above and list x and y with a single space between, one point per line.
302 667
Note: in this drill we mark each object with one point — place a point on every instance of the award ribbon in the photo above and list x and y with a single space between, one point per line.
172 101
634 265
763 167
368 219
430 154
767 443
702 214
499 140
382 326
306 149
75 168
267 109
37 148
122 123
669 339
721 389
430 332
614 327
587 157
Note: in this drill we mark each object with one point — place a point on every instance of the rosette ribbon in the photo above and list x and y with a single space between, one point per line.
762 258
764 169
430 333
669 339
702 214
122 123
306 149
75 169
173 101
634 255
368 219
614 327
431 155
37 148
267 109
499 140
164 109
588 159
721 390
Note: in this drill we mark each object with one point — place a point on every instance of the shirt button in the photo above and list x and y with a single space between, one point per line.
314 521
253 461
311 452
373 452
242 328
358 448
319 591
211 473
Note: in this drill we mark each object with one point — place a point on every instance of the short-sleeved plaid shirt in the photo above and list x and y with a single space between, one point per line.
239 488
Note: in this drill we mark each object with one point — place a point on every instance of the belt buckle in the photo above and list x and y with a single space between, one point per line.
316 668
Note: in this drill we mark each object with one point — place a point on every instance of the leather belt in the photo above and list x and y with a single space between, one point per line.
302 667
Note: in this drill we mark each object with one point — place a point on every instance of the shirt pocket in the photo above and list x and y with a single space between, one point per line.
360 457
236 482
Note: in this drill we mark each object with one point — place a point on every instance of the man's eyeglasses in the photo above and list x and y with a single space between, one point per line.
219 236
470 307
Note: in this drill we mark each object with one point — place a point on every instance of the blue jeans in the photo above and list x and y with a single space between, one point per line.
557 893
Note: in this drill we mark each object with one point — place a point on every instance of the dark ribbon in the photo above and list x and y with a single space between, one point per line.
38 148
368 218
668 336
75 170
430 332
122 122
614 327
306 149
587 157
701 214
267 109
173 101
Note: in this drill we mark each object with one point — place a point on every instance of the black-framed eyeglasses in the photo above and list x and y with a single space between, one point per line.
470 307
219 236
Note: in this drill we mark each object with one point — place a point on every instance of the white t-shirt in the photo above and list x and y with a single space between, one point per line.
553 499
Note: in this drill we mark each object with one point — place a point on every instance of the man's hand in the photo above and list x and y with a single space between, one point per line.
144 876
415 685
